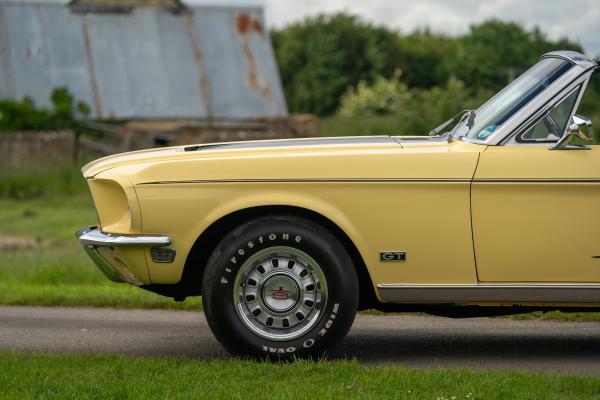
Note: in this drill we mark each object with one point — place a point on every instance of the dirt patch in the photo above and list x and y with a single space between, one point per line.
8 242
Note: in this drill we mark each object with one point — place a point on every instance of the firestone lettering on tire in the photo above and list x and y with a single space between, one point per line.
250 245
280 350
329 322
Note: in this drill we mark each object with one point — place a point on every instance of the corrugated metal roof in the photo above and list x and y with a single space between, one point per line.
211 62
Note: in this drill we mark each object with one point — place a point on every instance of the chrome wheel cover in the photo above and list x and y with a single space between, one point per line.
280 293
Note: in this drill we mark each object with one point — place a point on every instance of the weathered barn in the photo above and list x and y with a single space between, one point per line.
177 74
142 59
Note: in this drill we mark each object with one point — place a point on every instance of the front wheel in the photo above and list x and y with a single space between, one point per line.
280 286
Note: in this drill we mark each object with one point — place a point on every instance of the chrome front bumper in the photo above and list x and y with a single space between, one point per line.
92 239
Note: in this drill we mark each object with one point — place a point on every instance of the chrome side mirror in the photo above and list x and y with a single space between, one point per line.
574 130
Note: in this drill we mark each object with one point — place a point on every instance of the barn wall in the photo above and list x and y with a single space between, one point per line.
150 63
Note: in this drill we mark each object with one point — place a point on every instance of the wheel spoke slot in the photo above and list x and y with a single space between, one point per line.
251 282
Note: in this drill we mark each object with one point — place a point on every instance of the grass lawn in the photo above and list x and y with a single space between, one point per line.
102 377
51 268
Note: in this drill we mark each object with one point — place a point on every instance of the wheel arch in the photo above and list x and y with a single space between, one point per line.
207 241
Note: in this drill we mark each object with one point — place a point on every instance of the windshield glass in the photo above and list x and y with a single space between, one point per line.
496 111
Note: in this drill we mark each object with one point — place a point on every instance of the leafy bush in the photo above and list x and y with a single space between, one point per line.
438 104
414 111
339 125
23 115
320 57
384 96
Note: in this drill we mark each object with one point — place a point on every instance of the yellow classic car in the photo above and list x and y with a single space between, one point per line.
495 212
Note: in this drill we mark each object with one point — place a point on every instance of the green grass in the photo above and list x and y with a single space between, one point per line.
56 271
557 315
102 377
37 183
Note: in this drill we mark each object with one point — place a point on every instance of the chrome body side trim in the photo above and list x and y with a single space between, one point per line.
525 180
492 293
314 180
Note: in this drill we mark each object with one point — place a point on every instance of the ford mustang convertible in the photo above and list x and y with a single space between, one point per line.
497 211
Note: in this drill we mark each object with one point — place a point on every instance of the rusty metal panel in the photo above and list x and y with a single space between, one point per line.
144 65
238 54
210 62
42 50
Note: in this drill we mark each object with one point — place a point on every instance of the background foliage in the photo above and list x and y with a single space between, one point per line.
350 71
24 115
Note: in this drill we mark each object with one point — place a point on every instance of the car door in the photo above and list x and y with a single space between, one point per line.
536 211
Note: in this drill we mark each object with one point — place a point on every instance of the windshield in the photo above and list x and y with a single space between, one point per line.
490 116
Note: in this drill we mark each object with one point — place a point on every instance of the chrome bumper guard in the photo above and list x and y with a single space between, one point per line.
92 238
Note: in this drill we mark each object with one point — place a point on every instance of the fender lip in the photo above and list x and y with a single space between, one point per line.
93 236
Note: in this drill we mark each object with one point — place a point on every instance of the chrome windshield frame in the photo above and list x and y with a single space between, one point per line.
579 84
578 73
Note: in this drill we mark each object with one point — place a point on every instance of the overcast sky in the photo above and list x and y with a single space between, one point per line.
575 19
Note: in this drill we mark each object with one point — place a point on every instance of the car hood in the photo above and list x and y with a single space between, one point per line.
343 158
237 149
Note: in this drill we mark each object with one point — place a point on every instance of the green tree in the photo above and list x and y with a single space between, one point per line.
426 59
321 56
495 52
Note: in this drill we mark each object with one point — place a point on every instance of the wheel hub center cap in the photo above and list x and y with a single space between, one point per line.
280 293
